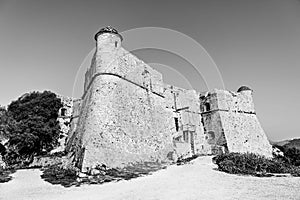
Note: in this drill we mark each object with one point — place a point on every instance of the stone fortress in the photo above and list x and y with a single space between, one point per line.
127 115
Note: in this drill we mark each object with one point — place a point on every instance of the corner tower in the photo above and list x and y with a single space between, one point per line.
230 122
108 42
123 117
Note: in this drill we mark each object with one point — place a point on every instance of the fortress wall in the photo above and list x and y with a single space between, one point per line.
169 97
214 132
74 147
182 148
244 133
90 73
73 122
242 129
235 101
64 117
130 125
124 64
230 121
123 117
191 120
187 104
213 128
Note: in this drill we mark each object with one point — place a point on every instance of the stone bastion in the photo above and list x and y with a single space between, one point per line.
128 115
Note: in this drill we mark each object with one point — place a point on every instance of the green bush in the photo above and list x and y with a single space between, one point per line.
236 163
293 155
291 152
295 171
56 174
5 175
252 164
276 166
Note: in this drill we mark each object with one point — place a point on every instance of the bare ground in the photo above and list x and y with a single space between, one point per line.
197 180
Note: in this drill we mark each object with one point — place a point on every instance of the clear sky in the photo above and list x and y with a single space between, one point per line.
253 42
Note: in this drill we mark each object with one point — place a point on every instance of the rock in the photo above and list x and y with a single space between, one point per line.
78 180
95 172
82 175
277 152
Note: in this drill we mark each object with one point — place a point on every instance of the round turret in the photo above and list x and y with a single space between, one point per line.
107 29
244 88
108 44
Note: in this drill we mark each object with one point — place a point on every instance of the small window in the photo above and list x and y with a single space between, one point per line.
63 112
207 106
211 135
176 123
116 44
186 136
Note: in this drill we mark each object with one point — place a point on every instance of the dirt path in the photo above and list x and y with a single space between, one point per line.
197 180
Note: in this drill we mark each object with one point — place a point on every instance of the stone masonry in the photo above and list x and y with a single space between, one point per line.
64 117
127 115
231 124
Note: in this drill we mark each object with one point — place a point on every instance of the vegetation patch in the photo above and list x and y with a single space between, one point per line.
5 175
291 154
70 176
56 174
253 164
31 127
186 160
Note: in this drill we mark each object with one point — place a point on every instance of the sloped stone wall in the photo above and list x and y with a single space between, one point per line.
230 121
73 123
123 118
244 133
241 126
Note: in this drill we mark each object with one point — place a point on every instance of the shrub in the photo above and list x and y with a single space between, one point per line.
276 166
294 171
56 174
252 164
236 163
5 175
291 152
293 155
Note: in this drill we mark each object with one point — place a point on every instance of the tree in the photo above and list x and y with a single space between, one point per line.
34 125
7 124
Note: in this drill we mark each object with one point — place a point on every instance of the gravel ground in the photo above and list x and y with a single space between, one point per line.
197 180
